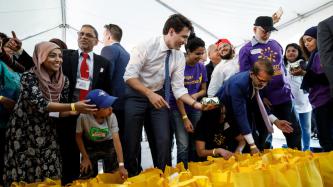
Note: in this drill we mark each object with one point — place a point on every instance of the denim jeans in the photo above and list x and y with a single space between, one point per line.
185 144
305 122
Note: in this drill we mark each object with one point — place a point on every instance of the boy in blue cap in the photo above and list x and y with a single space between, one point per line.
97 137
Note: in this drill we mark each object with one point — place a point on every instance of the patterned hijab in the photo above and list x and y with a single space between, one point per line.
51 87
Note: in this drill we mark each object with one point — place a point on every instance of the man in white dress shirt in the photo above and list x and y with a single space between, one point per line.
225 69
148 91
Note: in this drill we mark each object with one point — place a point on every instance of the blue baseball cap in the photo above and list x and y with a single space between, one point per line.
100 98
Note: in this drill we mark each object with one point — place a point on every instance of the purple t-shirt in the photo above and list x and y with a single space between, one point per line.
194 76
278 90
318 94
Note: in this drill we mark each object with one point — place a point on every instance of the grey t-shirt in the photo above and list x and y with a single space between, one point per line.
87 124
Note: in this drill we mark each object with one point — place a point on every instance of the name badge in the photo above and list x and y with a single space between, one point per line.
226 125
54 114
255 51
82 84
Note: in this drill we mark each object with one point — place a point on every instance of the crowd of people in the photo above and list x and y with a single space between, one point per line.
62 110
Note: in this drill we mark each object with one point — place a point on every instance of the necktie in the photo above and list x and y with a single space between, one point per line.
84 74
167 78
264 113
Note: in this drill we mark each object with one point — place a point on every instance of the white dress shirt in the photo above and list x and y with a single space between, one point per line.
222 72
147 63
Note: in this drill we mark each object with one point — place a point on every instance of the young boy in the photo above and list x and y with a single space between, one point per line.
97 137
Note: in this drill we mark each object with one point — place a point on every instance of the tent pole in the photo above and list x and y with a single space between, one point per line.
305 15
63 19
42 32
194 23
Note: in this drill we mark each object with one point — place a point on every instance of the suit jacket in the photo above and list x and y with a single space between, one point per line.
119 58
66 127
236 95
101 72
209 68
325 46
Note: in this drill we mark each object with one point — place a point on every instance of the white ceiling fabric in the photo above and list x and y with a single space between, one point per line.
142 19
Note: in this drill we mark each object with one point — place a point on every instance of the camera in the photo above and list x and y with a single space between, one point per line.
294 65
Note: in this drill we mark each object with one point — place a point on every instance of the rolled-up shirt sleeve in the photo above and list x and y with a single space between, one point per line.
136 62
177 78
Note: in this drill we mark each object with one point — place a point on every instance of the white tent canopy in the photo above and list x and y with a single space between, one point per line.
40 20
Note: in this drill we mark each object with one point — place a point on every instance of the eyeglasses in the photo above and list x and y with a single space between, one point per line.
262 80
264 31
88 35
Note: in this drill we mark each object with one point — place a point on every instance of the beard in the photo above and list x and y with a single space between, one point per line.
227 56
261 40
259 87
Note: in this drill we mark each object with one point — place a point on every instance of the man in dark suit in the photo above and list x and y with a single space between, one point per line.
244 108
119 58
325 47
85 71
215 58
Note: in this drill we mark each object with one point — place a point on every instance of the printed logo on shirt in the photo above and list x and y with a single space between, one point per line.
96 134
219 139
188 80
269 54
277 70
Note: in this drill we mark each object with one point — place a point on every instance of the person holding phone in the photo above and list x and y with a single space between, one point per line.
294 60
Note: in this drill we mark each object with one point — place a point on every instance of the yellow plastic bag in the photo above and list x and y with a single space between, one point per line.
325 166
285 175
220 178
148 178
47 183
195 181
170 170
250 179
309 173
109 178
202 168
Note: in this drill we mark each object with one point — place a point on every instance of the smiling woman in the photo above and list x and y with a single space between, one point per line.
32 150
53 62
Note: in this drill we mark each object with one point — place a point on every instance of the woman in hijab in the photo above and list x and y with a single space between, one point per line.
316 84
32 153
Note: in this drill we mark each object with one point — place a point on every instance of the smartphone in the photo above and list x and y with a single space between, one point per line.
277 15
295 65
279 12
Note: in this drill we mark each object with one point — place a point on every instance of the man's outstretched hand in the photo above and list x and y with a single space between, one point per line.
284 126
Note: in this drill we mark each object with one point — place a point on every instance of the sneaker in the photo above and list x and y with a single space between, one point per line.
314 136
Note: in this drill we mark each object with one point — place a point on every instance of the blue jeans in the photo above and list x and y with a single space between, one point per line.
185 144
305 122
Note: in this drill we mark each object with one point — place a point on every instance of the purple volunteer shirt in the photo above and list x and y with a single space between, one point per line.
278 90
194 76
318 94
